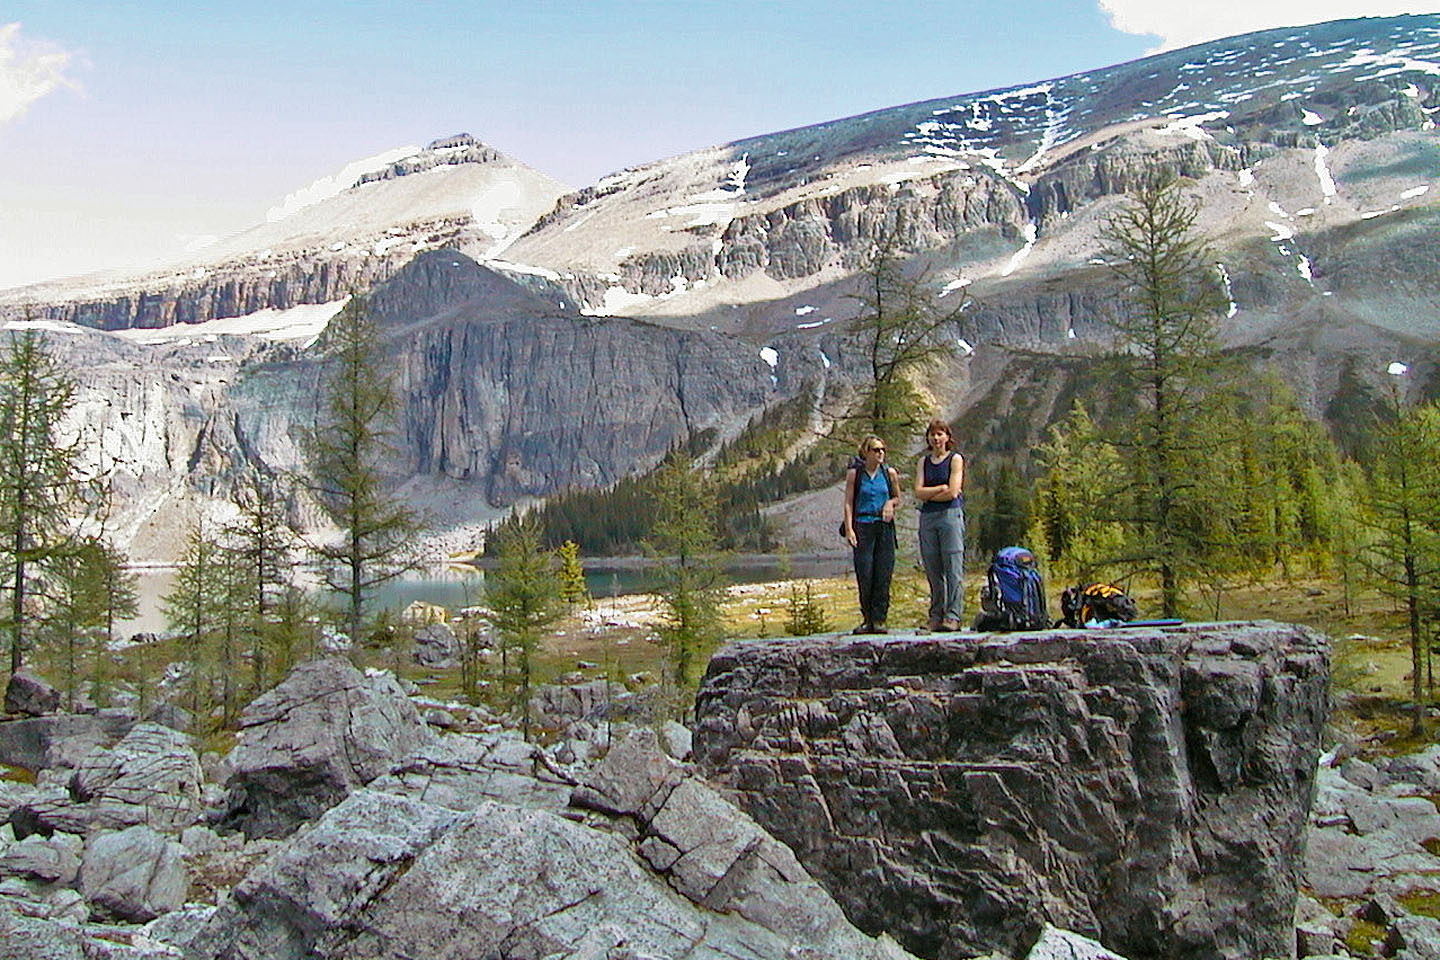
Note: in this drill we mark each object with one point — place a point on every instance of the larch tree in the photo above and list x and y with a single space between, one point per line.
523 594
900 328
44 488
1402 511
689 580
1169 359
347 453
263 544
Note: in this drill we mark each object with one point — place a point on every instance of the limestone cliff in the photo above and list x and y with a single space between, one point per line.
1148 787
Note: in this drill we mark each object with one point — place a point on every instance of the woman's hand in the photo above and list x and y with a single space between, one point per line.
850 537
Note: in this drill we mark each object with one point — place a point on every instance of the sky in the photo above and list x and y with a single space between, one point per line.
132 131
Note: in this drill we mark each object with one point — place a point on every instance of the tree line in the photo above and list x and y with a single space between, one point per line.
1173 466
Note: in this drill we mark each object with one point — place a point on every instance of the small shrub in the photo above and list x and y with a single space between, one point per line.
1362 937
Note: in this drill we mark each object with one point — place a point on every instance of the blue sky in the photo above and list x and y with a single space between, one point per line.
129 129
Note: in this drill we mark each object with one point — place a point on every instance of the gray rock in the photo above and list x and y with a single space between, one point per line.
436 646
560 705
200 840
172 715
676 739
962 792
382 877
1413 938
180 927
28 694
443 719
459 771
1381 909
1421 769
1315 939
28 938
135 874
307 743
35 858
39 743
55 812
1057 944
635 778
1361 773
12 795
153 767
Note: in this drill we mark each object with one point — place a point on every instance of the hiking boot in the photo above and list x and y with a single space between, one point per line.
933 625
862 629
949 626
879 628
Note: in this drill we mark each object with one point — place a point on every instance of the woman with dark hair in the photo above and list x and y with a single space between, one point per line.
939 479
872 492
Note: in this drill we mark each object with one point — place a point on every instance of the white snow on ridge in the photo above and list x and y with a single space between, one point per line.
801 311
1192 127
1414 192
1229 291
954 285
337 183
1322 170
1282 232
509 266
1310 118
770 356
1030 234
49 326
303 322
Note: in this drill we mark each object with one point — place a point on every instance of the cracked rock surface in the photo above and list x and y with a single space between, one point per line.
307 743
1144 787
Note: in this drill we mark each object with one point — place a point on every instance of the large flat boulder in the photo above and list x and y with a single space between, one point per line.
305 745
1147 788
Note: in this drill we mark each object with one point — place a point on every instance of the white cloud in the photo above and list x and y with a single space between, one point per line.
336 184
28 71
1181 24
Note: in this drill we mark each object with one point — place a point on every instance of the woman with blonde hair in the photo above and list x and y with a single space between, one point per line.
872 492
939 479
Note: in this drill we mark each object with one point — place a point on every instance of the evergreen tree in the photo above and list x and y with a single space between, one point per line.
523 594
1403 513
573 589
192 607
1078 521
347 451
806 615
78 613
43 487
689 582
263 544
1169 359
900 329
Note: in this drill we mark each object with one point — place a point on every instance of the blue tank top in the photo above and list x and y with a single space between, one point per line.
938 474
870 494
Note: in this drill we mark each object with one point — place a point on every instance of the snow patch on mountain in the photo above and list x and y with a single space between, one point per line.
305 322
1322 171
337 183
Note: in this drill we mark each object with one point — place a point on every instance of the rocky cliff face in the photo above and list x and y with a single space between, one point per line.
1146 787
503 395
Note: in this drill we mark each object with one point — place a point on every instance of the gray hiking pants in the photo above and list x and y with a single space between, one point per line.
942 550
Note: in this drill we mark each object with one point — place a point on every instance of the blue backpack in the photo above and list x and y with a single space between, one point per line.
1013 597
